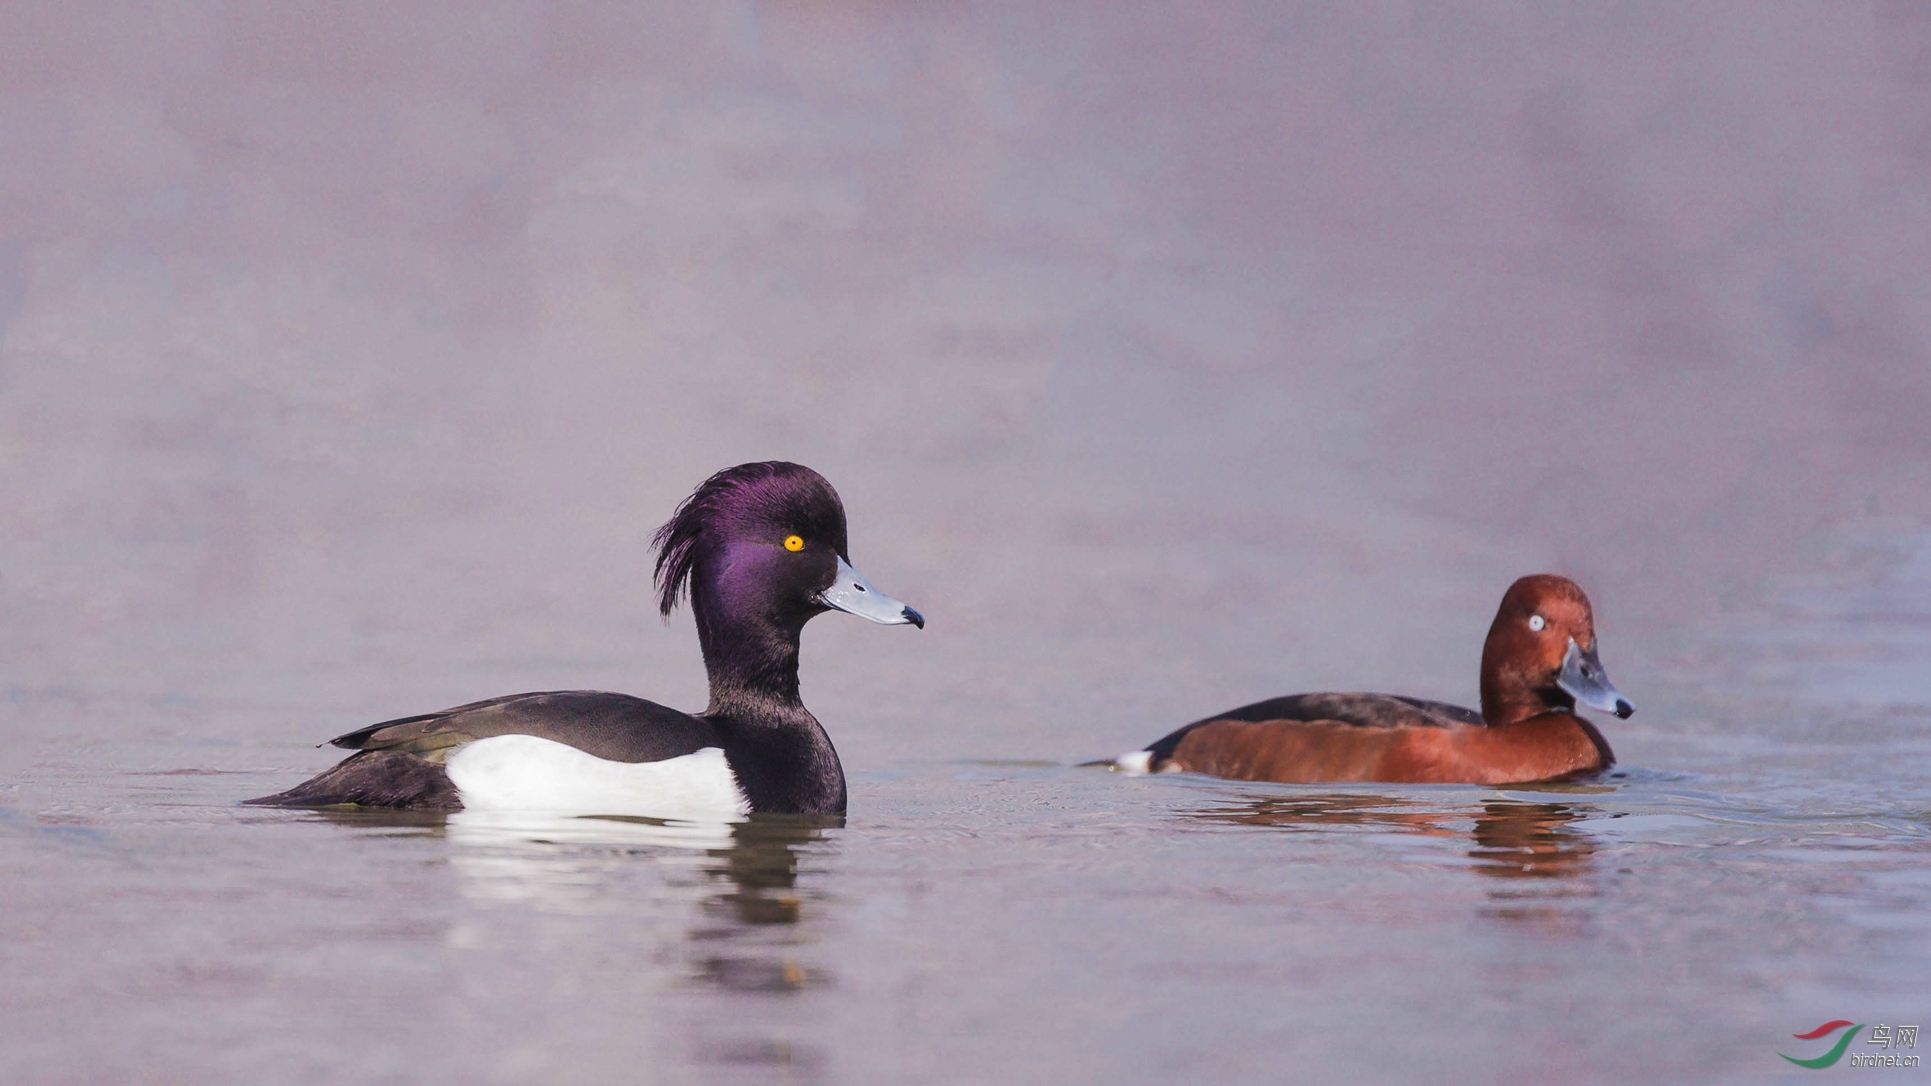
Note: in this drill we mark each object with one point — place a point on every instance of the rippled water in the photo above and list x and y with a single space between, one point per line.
981 921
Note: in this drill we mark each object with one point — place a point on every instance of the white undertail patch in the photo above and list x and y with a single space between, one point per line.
1134 761
527 773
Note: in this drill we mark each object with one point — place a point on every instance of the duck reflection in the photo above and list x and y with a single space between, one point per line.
1516 840
1510 840
1329 809
760 868
757 904
730 888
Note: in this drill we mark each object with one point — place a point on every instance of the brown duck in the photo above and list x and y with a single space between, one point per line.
1538 664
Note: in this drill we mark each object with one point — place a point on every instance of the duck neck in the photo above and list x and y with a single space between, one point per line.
753 669
1509 703
781 756
750 654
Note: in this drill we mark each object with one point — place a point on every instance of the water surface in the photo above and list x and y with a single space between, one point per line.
979 921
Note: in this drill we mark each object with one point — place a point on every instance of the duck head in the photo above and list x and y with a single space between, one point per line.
761 550
1541 654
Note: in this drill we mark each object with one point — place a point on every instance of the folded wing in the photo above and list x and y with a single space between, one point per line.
1377 711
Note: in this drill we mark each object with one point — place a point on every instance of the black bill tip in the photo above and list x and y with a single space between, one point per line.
1624 708
915 618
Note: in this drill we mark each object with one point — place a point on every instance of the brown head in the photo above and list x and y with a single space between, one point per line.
1541 654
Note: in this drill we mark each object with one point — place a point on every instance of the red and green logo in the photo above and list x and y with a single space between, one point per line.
1836 1051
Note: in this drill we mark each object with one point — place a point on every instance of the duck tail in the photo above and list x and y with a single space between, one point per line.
372 778
1133 761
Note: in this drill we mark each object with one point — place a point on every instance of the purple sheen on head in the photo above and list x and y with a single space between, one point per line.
765 500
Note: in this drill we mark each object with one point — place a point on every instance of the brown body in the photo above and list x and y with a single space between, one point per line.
1542 748
1543 635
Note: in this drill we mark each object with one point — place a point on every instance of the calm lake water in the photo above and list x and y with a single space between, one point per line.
1740 878
1166 358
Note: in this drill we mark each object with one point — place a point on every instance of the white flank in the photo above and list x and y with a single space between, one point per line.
1134 761
525 773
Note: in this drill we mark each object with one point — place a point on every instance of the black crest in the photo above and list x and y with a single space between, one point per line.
771 498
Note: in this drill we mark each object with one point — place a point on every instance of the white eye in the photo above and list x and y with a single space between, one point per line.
1536 623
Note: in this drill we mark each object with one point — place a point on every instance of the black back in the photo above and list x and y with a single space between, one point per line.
614 727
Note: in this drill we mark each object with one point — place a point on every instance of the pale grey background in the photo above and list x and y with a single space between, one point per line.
1234 345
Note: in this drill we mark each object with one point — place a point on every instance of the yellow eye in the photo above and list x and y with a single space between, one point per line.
794 542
